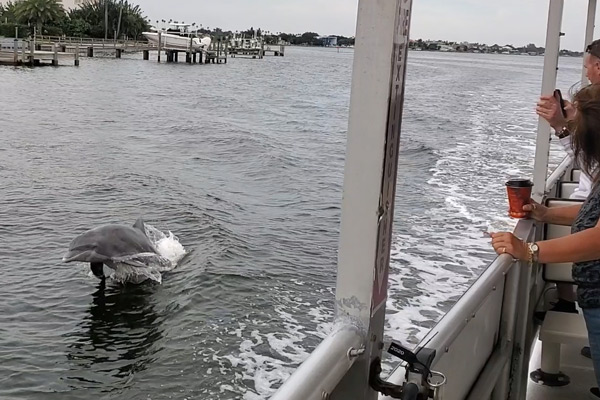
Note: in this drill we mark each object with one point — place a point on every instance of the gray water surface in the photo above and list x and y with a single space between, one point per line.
243 162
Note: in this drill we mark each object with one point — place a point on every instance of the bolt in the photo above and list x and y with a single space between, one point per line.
353 353
325 395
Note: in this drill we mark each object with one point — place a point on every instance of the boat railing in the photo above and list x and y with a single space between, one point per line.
327 365
496 309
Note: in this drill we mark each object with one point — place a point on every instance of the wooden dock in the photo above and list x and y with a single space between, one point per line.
258 52
53 50
25 53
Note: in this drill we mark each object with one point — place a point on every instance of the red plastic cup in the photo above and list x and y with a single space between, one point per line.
519 194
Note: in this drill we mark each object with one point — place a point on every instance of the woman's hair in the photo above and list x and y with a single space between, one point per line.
586 130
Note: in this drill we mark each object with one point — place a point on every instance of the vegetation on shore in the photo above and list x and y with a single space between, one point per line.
48 17
442 45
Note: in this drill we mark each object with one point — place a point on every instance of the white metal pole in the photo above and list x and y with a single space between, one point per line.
589 33
376 105
542 150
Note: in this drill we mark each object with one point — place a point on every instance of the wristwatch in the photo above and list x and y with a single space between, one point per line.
562 133
534 251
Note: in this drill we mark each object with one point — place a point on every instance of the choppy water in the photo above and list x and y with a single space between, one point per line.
244 163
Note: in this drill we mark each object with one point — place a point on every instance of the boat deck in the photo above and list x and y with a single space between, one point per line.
573 364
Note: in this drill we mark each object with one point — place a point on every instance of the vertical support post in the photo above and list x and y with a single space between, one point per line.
54 55
550 359
77 55
159 44
118 53
589 33
23 52
378 76
146 54
90 51
16 51
31 52
542 149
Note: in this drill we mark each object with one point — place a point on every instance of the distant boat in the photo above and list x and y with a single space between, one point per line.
178 37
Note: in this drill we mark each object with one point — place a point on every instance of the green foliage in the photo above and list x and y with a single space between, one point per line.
8 30
8 13
124 19
39 12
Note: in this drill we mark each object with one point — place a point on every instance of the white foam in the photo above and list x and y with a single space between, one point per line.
170 252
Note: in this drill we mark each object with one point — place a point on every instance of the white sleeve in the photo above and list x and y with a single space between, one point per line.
566 144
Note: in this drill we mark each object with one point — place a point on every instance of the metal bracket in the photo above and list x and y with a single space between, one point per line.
418 373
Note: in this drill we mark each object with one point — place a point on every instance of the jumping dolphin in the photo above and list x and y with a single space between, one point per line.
112 244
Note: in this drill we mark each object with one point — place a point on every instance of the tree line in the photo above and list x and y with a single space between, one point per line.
96 18
115 19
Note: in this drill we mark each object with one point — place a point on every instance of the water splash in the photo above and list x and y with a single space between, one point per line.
170 252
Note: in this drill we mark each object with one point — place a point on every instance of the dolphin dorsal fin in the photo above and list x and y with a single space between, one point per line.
139 224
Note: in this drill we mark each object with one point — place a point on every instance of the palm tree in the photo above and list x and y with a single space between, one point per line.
8 12
39 12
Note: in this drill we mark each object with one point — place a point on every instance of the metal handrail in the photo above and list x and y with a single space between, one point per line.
319 375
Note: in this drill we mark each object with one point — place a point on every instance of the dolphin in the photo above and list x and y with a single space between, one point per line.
111 244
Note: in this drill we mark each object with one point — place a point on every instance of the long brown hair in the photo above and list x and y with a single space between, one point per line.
586 130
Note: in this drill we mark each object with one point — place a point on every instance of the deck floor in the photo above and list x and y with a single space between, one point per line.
576 366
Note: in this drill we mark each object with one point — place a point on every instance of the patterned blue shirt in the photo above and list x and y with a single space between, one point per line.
587 274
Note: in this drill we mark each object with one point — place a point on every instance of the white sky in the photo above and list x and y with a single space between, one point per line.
516 22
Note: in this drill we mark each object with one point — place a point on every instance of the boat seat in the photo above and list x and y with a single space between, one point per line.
558 328
557 272
575 174
566 189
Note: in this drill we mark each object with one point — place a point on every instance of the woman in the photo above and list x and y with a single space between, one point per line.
582 246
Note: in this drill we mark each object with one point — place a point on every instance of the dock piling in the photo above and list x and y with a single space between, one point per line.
90 51
31 52
16 51
54 55
159 44
146 54
118 53
77 55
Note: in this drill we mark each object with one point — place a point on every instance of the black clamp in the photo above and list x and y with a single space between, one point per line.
418 364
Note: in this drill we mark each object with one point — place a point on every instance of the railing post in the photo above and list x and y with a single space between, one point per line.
542 150
379 69
16 51
159 44
589 32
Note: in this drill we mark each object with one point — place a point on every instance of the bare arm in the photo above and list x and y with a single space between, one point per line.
553 215
562 215
580 246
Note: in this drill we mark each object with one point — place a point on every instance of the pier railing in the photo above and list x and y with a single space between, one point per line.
94 42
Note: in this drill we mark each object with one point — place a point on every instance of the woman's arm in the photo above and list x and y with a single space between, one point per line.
553 215
580 246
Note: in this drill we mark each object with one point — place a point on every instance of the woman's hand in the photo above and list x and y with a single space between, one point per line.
507 243
549 109
536 210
